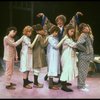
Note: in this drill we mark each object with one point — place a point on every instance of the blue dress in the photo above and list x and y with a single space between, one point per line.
53 56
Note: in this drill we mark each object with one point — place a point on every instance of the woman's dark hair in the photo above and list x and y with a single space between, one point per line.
54 29
10 28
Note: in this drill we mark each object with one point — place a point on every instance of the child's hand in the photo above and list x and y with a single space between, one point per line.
14 44
30 46
39 36
16 59
74 46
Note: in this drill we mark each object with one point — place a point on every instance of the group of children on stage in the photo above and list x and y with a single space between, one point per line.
54 46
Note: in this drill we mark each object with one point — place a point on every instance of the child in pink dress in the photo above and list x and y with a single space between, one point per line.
10 55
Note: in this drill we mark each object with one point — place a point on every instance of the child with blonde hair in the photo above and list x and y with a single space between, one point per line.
86 39
25 55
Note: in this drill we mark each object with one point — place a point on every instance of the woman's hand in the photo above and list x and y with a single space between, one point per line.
79 13
40 14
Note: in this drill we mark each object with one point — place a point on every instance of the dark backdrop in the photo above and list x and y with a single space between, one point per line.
90 9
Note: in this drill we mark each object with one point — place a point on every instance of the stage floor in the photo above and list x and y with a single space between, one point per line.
93 81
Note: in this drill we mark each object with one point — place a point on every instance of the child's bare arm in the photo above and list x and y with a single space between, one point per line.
60 43
18 41
33 43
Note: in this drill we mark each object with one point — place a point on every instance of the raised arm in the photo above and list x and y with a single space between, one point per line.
75 18
46 23
75 21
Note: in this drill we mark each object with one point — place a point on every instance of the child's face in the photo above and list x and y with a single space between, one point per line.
60 22
71 32
41 32
55 33
12 33
29 33
86 29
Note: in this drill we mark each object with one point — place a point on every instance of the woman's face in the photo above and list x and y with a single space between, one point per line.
71 32
60 22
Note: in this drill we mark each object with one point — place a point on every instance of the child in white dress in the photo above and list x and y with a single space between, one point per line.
68 59
25 55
